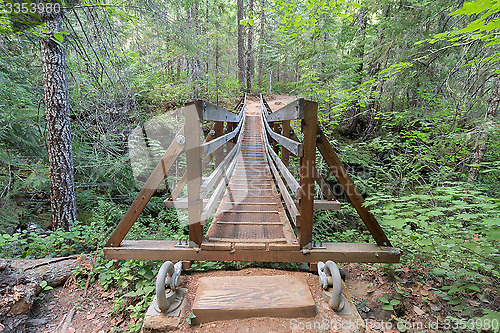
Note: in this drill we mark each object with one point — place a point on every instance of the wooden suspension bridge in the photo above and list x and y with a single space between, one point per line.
253 220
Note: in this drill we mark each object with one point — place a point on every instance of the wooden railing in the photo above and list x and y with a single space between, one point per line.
199 204
299 201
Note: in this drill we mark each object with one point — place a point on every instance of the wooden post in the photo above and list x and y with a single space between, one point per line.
276 128
350 190
192 129
219 153
307 163
230 144
285 154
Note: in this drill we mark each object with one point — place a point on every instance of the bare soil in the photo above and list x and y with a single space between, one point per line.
94 313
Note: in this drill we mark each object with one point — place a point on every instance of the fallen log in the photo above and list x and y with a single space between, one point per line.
20 284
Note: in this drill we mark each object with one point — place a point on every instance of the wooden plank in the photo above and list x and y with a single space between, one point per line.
293 146
325 205
350 190
309 129
250 246
215 246
213 112
179 203
253 240
285 154
193 162
249 222
337 252
291 111
283 247
239 297
155 179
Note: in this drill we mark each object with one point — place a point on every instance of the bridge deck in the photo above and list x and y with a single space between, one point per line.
251 211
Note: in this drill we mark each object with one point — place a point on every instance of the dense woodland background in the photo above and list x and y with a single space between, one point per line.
408 93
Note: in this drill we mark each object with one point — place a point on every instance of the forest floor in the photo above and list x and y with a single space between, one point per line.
365 283
67 306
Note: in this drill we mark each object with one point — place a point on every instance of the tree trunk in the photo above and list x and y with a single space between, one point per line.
261 48
489 117
359 54
250 63
62 186
178 69
241 63
20 284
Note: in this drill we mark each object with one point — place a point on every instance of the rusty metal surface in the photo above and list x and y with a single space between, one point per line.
251 209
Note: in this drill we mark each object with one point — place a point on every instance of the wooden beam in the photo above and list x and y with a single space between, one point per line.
213 112
180 203
291 111
307 163
285 131
337 252
350 190
193 162
293 146
148 190
219 153
325 205
276 128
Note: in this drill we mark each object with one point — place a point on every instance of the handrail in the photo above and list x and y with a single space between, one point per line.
222 170
213 112
291 111
291 145
291 182
213 145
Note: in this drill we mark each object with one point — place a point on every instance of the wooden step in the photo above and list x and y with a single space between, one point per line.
238 297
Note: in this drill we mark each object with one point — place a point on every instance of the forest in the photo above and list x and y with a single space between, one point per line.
408 94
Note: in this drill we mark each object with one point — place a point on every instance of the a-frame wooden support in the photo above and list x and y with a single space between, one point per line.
350 190
147 191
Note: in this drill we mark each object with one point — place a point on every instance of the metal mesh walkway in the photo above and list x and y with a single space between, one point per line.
251 210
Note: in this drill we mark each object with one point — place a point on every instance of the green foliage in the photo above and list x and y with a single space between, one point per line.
134 281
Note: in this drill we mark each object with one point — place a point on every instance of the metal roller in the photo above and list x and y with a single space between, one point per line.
329 275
